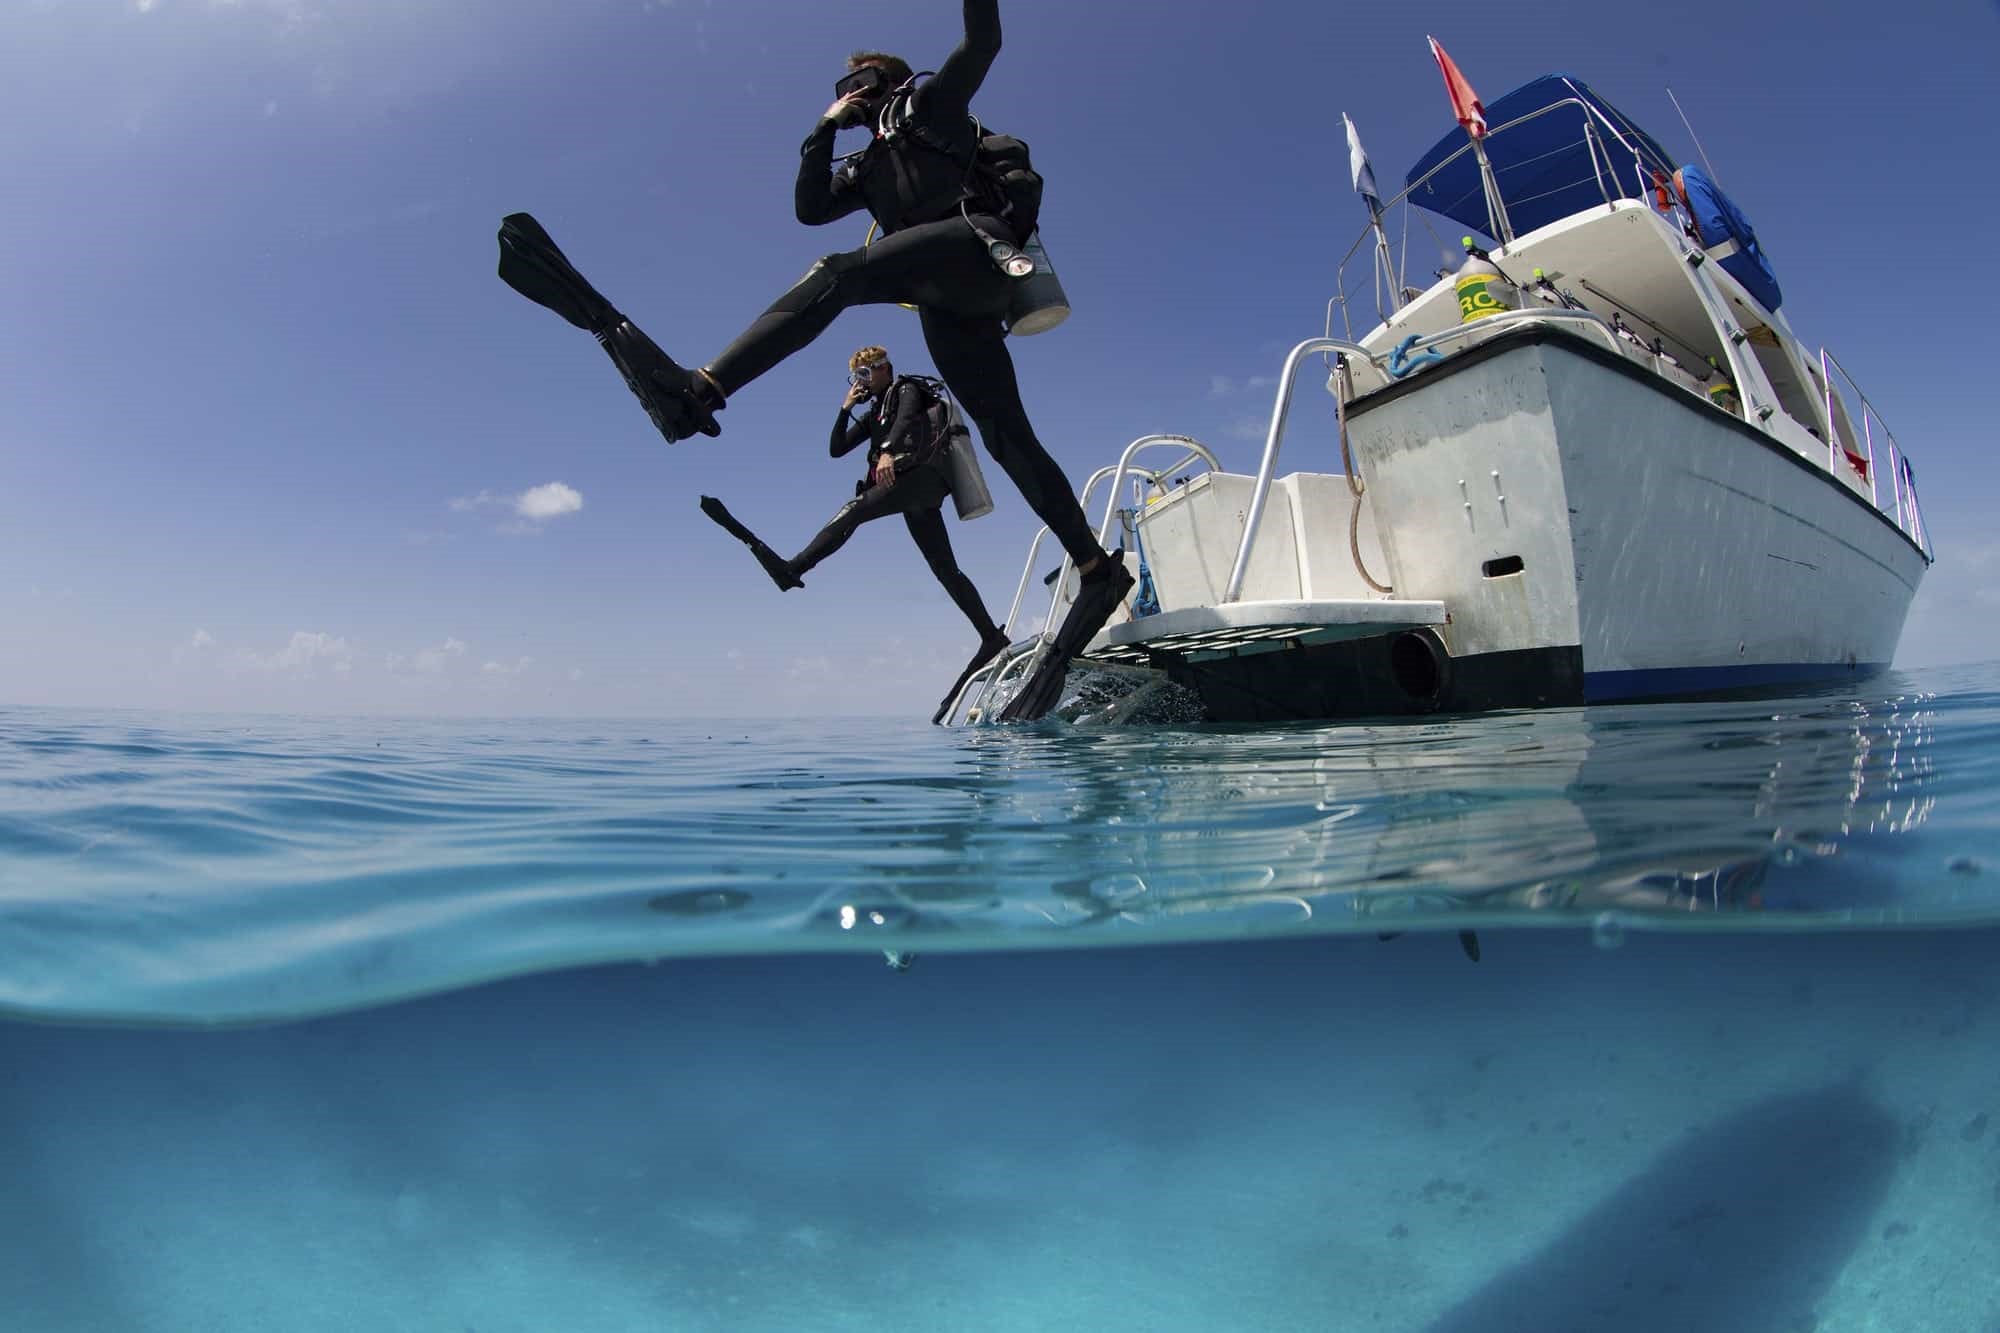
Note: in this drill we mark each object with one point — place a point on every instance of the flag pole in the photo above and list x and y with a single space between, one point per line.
1364 185
1496 207
1471 113
1383 259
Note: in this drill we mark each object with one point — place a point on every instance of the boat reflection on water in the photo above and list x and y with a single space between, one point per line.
1709 813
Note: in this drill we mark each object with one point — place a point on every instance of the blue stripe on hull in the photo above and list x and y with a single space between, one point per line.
1608 686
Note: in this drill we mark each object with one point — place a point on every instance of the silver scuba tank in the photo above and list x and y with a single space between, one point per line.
1039 303
961 470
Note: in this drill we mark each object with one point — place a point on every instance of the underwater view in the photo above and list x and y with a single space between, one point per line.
1649 1018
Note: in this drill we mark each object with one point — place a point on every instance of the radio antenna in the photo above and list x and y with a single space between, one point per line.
1691 134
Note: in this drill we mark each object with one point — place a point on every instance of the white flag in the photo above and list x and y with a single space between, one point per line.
1357 161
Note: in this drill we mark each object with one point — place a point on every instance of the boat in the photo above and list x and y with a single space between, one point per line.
1592 463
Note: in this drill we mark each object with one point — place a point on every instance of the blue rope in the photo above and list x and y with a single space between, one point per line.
1402 363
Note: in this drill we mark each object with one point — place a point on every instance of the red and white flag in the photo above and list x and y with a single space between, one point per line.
1465 103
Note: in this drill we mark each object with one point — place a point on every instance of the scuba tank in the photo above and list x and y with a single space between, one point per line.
1482 288
1039 303
953 453
961 470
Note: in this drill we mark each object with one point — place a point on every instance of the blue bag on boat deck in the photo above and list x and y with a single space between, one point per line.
1721 220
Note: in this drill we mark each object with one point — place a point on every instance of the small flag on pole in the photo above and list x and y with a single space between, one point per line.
1357 161
1465 103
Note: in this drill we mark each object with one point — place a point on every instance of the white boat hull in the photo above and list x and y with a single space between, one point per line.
1673 547
1590 531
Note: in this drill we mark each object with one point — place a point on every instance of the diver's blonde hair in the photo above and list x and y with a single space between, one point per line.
867 356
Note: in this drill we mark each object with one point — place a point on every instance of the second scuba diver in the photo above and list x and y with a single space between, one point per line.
947 222
907 430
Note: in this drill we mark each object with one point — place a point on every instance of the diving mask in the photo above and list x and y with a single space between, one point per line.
869 81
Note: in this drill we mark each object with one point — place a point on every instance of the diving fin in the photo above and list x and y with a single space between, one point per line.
1098 596
774 564
533 265
989 648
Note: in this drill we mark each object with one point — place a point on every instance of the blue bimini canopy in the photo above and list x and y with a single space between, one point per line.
1543 167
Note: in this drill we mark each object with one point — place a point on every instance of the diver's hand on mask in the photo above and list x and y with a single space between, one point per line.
854 395
847 110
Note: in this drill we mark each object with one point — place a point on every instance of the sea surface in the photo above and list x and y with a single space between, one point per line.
1670 1017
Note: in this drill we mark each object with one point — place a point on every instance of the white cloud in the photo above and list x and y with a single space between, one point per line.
1951 619
816 669
547 501
306 652
1253 429
532 507
432 660
503 669
192 648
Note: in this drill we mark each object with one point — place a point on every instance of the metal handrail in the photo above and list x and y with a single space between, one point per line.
1195 448
1021 590
1196 452
1265 468
1555 313
1403 196
1903 500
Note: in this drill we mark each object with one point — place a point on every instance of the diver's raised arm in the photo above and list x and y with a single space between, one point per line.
965 68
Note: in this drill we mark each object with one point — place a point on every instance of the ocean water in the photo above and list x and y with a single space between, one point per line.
1673 1017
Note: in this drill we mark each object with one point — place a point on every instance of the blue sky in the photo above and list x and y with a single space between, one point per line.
277 438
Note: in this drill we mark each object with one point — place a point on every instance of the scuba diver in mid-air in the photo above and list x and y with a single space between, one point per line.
952 217
907 426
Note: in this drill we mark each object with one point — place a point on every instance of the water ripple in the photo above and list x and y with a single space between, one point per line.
207 870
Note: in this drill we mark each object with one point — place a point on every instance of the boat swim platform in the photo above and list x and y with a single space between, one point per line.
1198 633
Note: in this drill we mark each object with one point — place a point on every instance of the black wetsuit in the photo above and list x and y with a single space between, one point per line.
929 257
899 426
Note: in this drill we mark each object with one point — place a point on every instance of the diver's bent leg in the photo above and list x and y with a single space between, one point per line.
910 266
827 540
927 529
971 354
873 503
